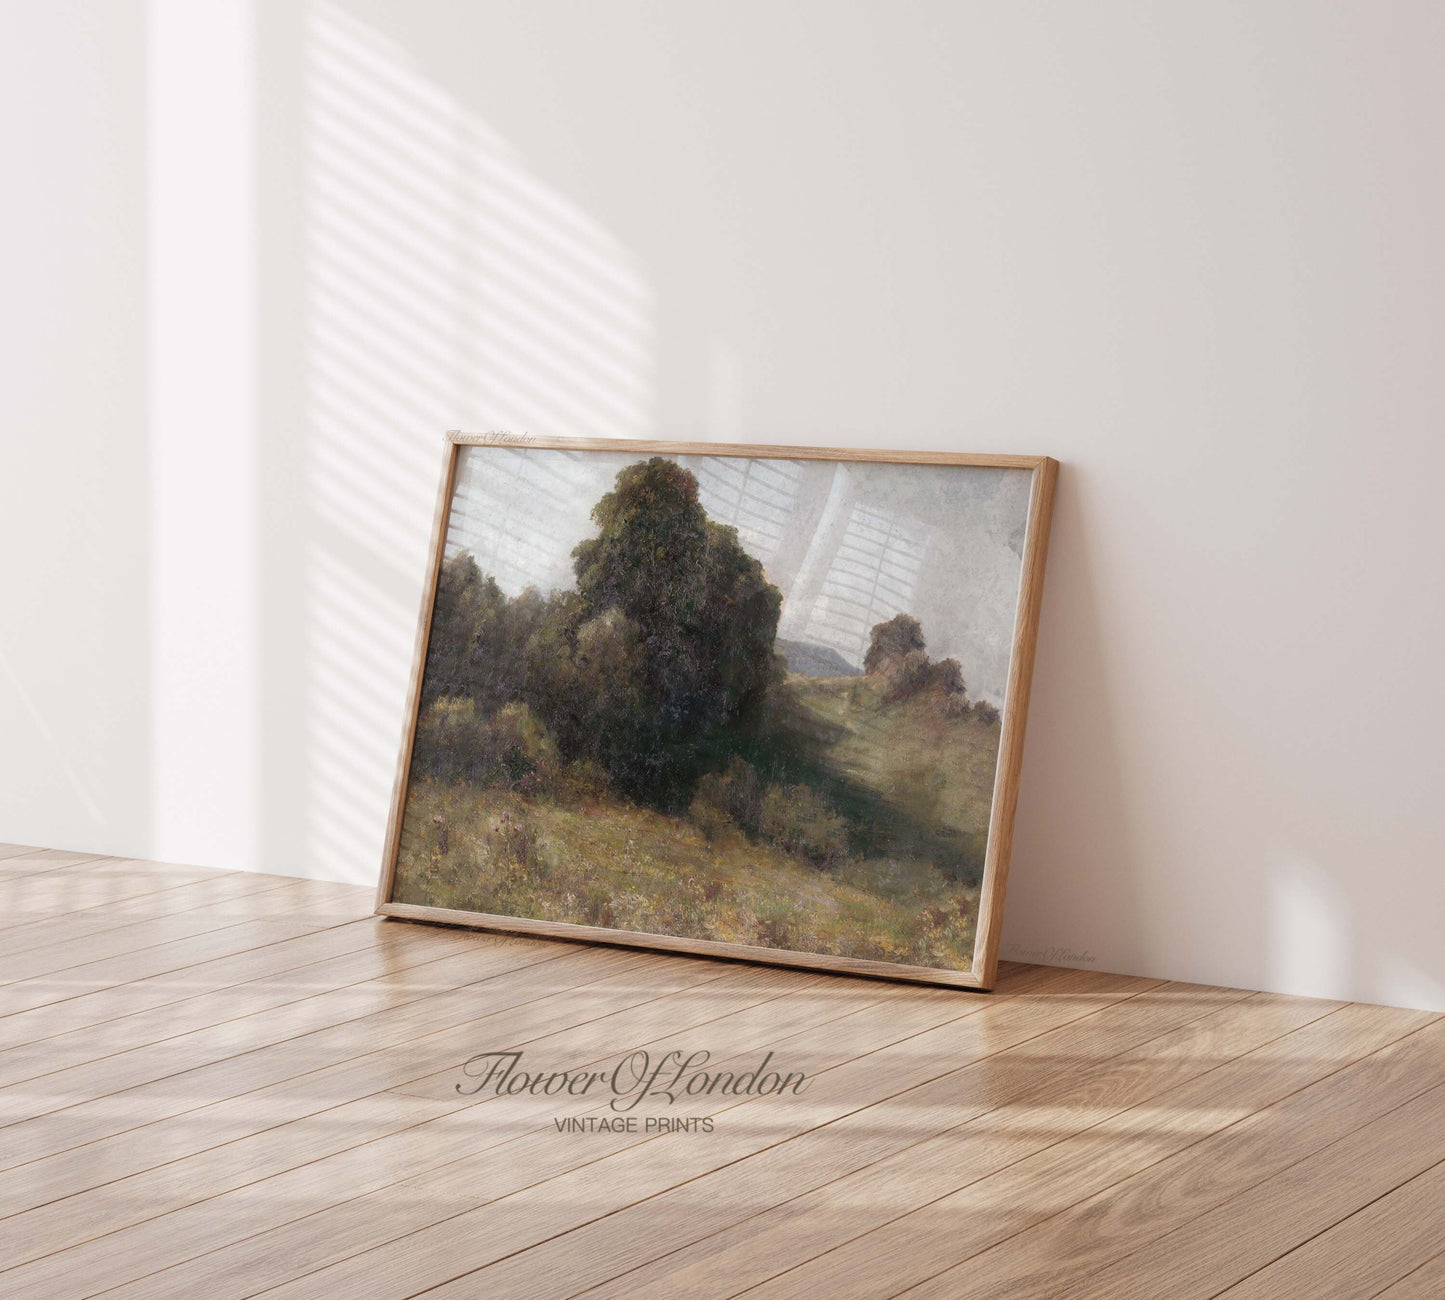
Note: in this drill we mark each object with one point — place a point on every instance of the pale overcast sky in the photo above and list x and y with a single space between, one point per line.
848 544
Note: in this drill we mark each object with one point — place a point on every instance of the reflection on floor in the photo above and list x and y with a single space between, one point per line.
228 1084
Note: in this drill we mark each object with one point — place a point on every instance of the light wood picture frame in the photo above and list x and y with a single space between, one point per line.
607 729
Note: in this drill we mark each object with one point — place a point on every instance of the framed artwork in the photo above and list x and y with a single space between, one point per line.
744 701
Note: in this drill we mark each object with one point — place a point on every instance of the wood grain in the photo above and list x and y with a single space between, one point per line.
117 1001
903 1050
239 1018
186 893
283 1120
1279 1213
272 899
354 1031
1009 770
140 1173
889 1129
1118 1221
20 861
1067 1083
317 906
328 1208
749 450
80 885
514 1146
1426 1282
1083 1160
691 947
1378 1245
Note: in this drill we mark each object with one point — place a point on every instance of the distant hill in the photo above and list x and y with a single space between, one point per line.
809 660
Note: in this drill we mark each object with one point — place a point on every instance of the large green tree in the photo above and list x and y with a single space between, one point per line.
701 615
656 667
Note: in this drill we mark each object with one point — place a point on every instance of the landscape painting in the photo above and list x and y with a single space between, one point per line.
746 704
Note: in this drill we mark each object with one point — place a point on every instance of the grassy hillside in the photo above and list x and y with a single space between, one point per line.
922 779
631 868
914 783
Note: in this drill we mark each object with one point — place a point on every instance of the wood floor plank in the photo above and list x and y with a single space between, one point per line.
273 900
210 1046
319 906
504 1151
496 1227
77 887
386 954
1043 1261
56 1224
717 1200
277 1220
1251 1230
56 857
118 1001
1376 1246
987 1211
1085 1087
223 1084
451 992
31 862
1425 1283
144 907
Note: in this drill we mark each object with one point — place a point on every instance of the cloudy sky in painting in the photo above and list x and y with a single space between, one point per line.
849 545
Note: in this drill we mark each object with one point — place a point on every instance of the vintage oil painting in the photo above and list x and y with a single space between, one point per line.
739 699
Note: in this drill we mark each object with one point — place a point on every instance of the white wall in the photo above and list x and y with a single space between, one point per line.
259 255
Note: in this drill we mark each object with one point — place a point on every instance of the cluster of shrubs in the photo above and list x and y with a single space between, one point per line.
915 673
795 818
897 654
511 750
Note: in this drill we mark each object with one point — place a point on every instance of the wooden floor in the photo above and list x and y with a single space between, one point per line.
216 1085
